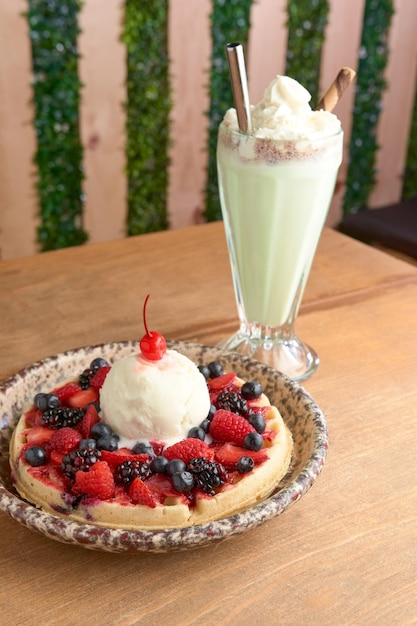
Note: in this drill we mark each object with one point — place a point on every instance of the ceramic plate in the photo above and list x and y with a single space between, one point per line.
301 414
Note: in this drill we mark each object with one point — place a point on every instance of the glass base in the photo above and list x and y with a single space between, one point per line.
287 354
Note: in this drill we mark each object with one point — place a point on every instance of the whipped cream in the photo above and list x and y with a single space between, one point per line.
285 113
143 400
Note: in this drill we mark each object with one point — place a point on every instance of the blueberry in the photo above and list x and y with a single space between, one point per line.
216 369
100 430
174 466
183 481
251 390
257 421
44 401
143 448
205 425
108 442
159 465
97 363
245 465
35 456
87 443
211 412
204 370
253 441
196 432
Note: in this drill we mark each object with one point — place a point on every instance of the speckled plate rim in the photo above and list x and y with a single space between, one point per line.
282 391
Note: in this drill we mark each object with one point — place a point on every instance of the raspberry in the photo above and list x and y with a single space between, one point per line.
227 426
232 401
140 493
79 460
97 482
207 474
188 449
61 417
65 439
99 377
66 392
127 471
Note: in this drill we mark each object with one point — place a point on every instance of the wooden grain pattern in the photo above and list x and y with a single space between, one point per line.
345 554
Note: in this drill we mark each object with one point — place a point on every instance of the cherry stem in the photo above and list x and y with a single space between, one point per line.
144 315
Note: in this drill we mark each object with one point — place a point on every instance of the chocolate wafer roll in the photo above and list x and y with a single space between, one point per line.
336 89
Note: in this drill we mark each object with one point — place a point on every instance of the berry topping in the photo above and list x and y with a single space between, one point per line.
98 363
227 426
223 382
66 392
152 345
99 377
97 481
65 439
229 455
175 466
143 448
197 432
203 369
127 471
257 420
159 464
216 369
61 417
44 401
207 474
183 482
188 449
38 435
232 401
141 494
251 390
85 377
35 456
253 441
245 465
79 460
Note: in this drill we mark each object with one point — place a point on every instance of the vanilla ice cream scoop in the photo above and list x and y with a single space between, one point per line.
162 399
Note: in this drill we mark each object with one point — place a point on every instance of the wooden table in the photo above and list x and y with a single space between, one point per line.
346 553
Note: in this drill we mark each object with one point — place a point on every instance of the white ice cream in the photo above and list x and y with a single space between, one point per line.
285 113
142 399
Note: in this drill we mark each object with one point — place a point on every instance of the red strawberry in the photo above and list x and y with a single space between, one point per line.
56 458
228 426
97 482
38 435
221 383
99 377
90 417
65 439
188 449
122 455
229 454
33 416
140 493
66 392
83 397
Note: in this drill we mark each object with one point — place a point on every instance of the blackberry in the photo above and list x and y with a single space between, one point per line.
85 377
232 401
79 460
207 474
127 471
61 417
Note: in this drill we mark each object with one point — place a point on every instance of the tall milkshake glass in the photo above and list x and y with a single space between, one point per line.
275 195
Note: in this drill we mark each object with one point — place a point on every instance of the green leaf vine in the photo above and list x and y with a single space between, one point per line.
410 174
53 28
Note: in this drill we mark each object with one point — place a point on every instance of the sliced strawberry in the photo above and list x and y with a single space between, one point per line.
122 455
221 383
140 493
56 458
97 482
38 435
158 446
229 454
33 416
188 449
228 426
66 392
91 417
83 397
65 439
161 488
99 377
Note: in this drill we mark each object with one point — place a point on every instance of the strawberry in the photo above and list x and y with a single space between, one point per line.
228 426
97 482
65 439
229 454
66 392
83 397
90 417
188 449
33 416
223 382
56 458
99 377
140 494
122 455
39 435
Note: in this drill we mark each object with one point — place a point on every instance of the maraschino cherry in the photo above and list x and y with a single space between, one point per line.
152 345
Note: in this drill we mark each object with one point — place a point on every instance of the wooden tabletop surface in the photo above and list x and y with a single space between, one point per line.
346 552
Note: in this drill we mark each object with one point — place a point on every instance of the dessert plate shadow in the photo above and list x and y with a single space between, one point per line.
299 411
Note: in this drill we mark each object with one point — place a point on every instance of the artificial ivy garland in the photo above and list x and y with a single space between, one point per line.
370 86
148 108
410 174
56 92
